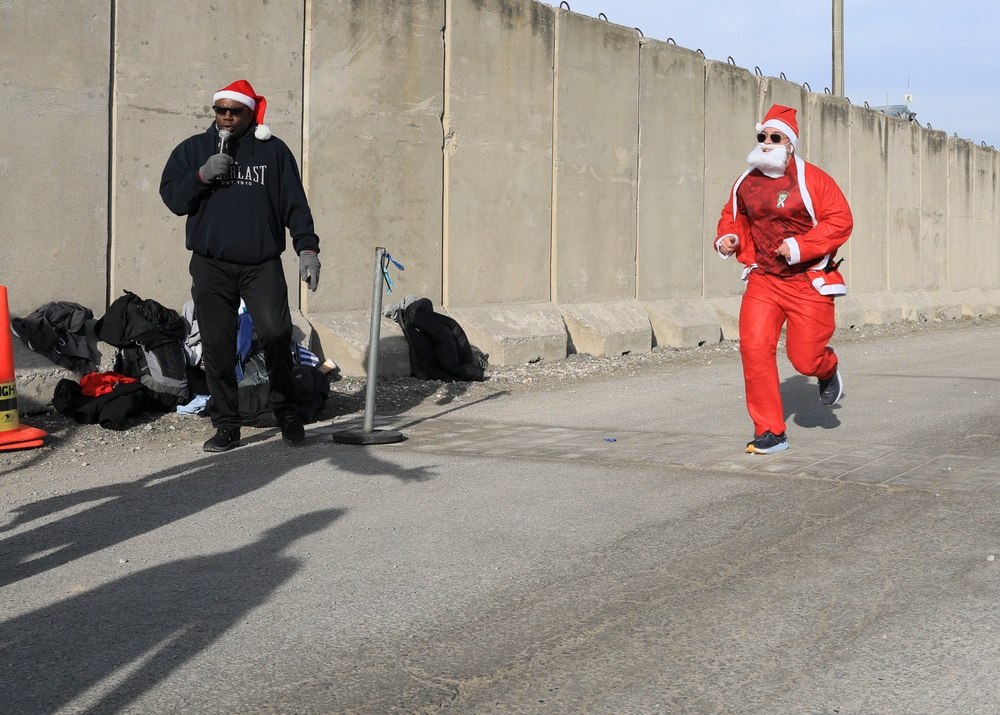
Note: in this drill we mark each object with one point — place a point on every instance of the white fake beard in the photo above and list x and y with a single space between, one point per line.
771 163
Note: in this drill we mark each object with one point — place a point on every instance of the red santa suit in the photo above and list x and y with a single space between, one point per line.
807 210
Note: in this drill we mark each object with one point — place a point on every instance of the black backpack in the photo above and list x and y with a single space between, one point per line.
130 320
439 347
148 336
162 369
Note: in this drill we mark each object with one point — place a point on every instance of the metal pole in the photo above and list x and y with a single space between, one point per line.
838 48
368 433
373 340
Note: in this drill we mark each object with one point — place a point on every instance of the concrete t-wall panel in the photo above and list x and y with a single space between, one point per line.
54 164
596 146
498 156
170 60
868 195
962 253
984 222
996 207
373 145
903 238
995 227
732 102
671 193
824 131
933 208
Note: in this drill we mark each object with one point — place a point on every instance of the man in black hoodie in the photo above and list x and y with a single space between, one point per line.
240 190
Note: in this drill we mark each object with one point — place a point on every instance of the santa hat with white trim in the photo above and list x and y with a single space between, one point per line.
782 119
242 92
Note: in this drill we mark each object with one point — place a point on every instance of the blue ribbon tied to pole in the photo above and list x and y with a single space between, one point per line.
386 260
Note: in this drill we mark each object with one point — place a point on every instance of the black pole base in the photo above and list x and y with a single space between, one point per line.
361 437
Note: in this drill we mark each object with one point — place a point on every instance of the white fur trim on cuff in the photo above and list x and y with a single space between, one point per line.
728 235
824 288
793 246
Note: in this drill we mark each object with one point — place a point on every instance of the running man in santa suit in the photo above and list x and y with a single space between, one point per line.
785 220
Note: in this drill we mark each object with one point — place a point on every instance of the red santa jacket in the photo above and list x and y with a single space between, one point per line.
832 224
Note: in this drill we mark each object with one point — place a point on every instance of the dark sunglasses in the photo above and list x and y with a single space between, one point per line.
234 111
775 138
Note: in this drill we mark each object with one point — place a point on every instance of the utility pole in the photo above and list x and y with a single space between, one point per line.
838 48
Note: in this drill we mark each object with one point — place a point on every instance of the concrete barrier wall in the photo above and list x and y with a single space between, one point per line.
670 254
54 176
868 194
551 179
596 160
731 110
932 207
498 152
169 60
373 144
963 255
826 131
985 216
904 243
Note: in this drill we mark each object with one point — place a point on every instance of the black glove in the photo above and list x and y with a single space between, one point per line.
216 167
309 269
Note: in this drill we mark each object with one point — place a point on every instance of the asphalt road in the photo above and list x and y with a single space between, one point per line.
599 547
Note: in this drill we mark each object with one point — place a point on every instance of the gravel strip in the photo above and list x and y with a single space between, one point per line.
395 395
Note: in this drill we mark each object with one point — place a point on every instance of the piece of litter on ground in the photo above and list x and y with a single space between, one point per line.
610 439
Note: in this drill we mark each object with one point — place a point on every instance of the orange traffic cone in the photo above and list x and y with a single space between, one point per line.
13 435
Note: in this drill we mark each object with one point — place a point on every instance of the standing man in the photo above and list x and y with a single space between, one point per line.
240 190
785 220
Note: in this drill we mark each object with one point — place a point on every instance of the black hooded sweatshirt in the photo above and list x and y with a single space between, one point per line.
242 217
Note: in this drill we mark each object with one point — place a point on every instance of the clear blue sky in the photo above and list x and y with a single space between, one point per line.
946 54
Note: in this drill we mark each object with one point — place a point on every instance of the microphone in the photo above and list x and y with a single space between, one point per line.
223 140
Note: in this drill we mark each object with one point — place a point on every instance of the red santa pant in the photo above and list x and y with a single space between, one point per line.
768 303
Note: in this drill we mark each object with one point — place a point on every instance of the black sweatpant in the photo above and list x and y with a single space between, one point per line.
218 287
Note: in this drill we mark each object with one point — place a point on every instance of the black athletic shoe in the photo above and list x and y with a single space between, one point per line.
291 427
224 440
767 443
831 390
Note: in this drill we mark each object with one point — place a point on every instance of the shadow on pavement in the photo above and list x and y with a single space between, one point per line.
123 510
144 626
800 395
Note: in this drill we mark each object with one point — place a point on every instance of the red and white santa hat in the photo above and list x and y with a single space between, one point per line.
782 119
242 92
